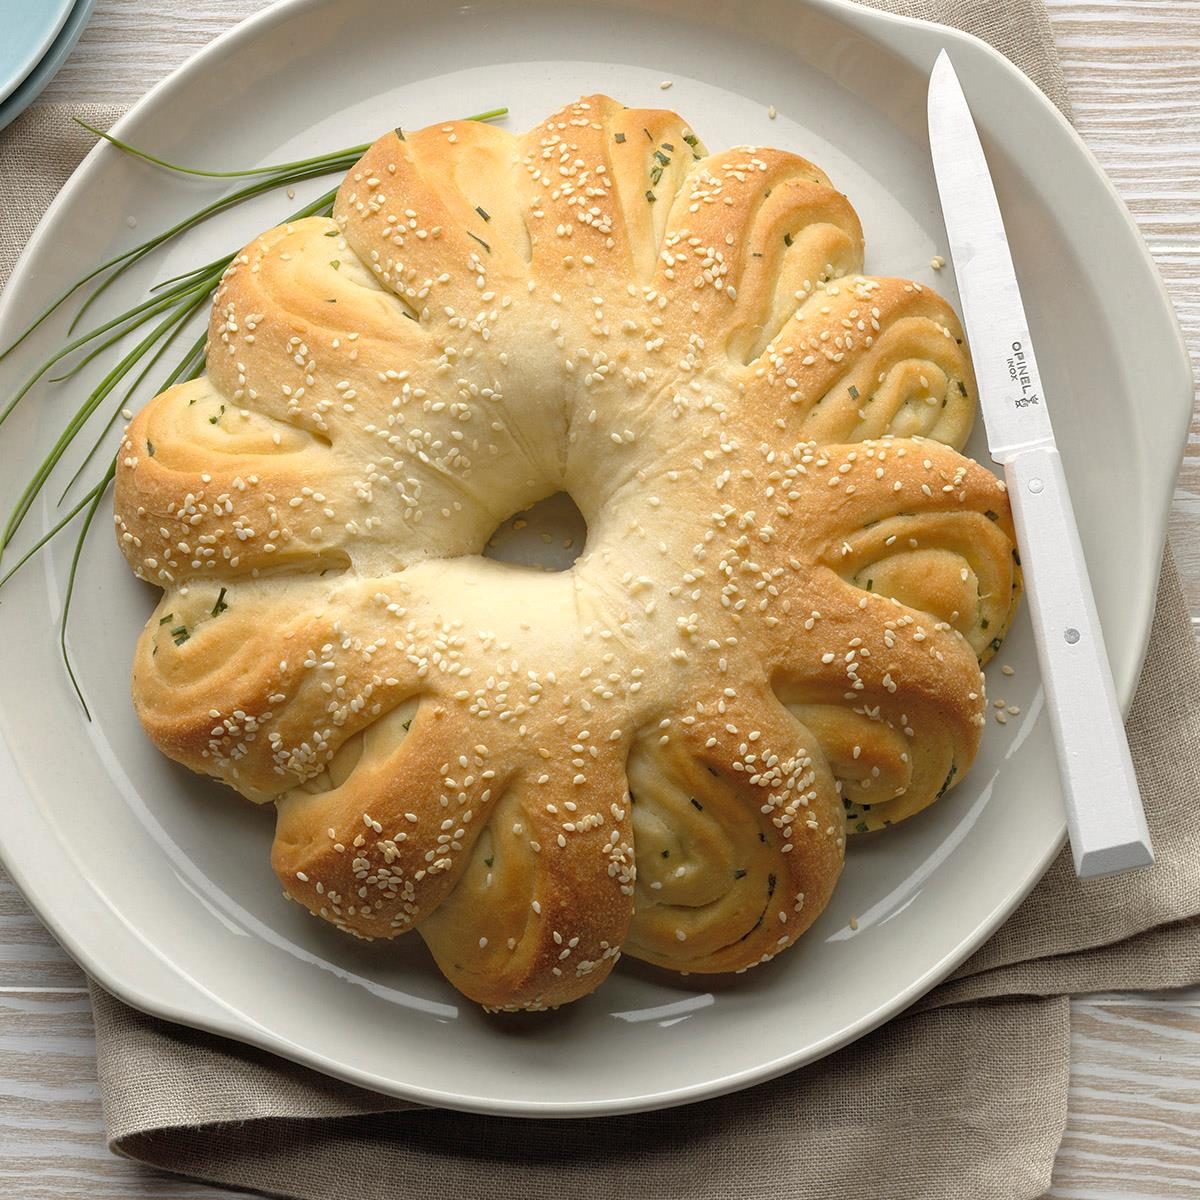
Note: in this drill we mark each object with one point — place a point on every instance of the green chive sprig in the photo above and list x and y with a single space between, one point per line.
176 301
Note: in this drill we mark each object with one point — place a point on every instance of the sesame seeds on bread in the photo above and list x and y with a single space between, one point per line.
772 637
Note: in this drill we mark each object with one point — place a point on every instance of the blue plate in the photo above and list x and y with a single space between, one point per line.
47 67
30 27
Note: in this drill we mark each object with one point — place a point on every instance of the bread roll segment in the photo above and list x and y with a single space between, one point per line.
774 632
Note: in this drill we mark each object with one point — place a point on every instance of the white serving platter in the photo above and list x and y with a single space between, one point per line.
158 882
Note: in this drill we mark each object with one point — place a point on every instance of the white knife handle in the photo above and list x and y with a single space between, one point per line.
1104 809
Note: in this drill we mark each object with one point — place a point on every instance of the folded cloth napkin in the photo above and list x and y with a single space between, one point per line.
964 1095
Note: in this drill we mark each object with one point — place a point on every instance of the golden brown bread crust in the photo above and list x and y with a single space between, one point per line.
777 623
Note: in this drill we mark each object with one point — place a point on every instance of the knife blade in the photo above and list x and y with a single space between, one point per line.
1104 812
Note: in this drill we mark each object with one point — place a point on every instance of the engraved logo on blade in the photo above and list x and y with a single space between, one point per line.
1018 372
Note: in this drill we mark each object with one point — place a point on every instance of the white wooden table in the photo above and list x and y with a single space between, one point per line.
1134 1130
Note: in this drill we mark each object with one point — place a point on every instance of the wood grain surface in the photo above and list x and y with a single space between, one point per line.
1133 67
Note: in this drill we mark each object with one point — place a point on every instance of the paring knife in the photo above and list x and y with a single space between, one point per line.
1104 810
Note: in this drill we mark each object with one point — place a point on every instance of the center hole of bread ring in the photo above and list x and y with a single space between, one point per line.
548 536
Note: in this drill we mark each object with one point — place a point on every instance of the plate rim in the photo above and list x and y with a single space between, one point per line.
180 998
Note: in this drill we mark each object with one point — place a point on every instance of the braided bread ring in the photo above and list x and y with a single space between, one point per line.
790 580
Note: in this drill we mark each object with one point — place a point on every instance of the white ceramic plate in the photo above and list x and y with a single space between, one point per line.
159 883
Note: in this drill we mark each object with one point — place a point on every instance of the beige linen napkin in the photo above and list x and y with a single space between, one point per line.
963 1096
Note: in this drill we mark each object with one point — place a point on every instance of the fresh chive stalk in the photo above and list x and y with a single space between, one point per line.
354 152
181 319
279 175
88 517
51 532
180 298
